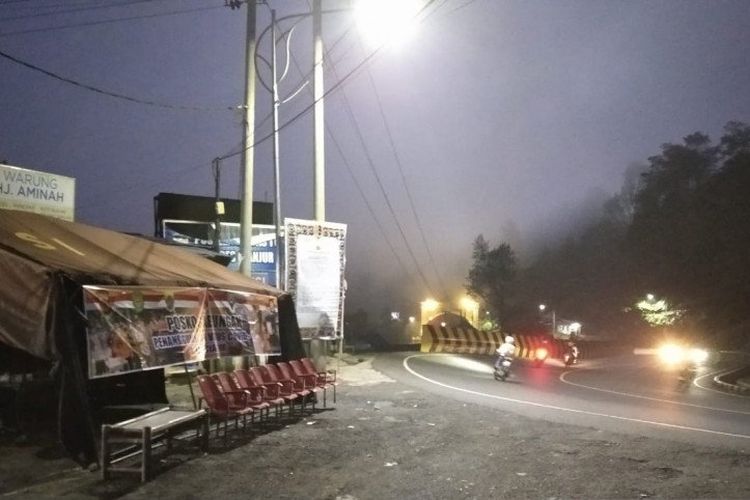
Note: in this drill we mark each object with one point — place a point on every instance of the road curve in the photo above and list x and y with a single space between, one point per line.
630 394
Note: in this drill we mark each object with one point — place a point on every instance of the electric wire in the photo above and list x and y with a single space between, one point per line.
77 10
361 192
107 92
373 169
367 203
108 21
403 180
304 111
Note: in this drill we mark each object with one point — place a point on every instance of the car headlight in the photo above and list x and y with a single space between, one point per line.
671 354
698 356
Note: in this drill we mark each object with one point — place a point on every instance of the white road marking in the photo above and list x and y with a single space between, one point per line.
695 382
631 395
561 408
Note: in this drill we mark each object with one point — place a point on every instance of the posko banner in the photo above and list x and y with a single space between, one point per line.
140 328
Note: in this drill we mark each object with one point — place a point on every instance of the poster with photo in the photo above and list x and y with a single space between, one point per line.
135 328
140 328
242 324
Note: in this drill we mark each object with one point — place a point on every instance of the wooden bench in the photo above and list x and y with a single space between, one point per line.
146 430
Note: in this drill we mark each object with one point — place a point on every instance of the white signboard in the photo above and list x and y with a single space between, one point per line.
316 260
39 192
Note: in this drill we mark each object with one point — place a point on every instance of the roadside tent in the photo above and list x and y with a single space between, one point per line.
44 265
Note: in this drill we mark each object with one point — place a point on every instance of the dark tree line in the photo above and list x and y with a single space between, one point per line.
679 230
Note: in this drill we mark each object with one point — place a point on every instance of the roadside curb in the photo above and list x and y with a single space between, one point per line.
740 387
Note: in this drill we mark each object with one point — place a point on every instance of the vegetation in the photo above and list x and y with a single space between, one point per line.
679 229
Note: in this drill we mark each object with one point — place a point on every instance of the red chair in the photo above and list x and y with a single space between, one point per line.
301 382
328 378
289 385
252 398
219 407
311 378
269 395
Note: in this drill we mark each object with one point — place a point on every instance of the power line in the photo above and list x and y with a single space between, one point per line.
107 21
374 171
106 92
403 180
77 10
367 203
347 163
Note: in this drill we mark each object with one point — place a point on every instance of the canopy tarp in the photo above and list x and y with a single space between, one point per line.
45 262
34 248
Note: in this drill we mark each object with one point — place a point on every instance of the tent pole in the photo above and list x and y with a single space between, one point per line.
190 385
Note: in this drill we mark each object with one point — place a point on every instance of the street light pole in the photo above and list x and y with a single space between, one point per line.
276 167
318 120
248 149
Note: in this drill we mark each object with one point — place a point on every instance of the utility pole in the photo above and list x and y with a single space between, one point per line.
248 149
218 204
318 120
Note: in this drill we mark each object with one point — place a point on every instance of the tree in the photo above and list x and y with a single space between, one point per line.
491 276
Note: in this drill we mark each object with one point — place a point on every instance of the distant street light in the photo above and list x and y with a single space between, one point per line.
428 309
542 308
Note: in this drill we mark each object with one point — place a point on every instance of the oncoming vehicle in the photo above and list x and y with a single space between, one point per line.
686 360
540 356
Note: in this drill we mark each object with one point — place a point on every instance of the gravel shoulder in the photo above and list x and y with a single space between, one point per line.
385 440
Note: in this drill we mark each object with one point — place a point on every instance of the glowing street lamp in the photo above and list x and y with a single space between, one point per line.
428 309
387 21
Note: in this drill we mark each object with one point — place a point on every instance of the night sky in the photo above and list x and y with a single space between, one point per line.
502 117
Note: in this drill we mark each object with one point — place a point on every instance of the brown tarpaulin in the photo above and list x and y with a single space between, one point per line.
43 263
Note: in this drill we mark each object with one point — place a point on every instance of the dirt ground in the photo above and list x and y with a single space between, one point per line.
385 440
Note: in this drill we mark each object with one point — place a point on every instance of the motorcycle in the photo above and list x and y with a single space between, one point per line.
502 368
687 361
540 356
571 356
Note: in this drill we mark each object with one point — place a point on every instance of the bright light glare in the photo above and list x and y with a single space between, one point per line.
698 356
541 353
430 304
467 364
468 303
386 21
671 353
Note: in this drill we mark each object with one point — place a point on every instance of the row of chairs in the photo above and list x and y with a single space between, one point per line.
254 391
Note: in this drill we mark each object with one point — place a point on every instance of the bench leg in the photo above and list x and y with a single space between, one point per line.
204 433
105 452
146 465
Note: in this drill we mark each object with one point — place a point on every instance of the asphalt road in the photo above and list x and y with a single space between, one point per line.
632 395
440 427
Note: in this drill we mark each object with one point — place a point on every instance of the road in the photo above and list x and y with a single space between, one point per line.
632 395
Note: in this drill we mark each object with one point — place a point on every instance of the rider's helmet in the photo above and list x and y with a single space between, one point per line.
509 339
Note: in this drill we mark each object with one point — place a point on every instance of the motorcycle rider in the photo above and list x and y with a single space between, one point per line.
506 350
572 351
